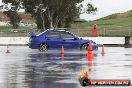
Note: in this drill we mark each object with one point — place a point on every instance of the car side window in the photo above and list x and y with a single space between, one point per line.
53 35
66 35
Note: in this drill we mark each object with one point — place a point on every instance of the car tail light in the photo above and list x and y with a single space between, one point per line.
30 39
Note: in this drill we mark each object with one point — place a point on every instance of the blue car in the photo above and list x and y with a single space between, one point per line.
55 39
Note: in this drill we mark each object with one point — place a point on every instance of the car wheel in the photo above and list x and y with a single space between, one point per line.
84 47
43 47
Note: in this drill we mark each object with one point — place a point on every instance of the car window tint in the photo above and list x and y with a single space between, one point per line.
66 35
52 35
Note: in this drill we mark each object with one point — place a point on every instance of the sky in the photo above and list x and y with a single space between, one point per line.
107 7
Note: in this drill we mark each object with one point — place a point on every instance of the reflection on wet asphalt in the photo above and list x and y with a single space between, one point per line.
27 68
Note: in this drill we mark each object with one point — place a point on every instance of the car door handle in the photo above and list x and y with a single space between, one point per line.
63 40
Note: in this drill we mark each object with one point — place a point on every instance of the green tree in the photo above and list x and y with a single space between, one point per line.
11 8
53 13
14 18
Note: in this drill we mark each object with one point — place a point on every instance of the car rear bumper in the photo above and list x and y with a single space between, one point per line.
33 46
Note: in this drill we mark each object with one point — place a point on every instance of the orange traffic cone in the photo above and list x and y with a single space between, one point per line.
8 51
62 50
94 31
102 52
90 63
90 47
90 52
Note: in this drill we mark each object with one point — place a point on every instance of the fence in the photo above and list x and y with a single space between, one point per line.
104 31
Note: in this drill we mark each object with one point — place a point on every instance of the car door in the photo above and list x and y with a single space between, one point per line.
53 39
69 40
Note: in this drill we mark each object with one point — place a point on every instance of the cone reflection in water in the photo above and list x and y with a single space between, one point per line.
8 51
102 52
62 57
90 52
90 63
86 74
62 50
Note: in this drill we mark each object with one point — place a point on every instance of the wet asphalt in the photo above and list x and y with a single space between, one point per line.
28 68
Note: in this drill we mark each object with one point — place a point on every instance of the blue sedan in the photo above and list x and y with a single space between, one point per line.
55 39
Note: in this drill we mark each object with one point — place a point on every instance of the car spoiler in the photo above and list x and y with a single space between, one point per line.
32 34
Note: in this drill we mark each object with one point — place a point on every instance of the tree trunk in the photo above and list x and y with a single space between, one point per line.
51 23
56 22
42 17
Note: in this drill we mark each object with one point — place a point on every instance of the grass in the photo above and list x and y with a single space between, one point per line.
5 28
8 28
112 25
119 24
118 21
109 27
5 31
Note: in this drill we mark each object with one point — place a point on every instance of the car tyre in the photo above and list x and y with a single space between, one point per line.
43 47
84 47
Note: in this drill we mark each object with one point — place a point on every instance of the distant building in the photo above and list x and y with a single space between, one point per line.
79 20
27 19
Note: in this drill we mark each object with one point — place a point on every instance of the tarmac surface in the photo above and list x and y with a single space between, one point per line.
28 68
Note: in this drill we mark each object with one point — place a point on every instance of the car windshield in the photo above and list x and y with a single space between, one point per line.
72 34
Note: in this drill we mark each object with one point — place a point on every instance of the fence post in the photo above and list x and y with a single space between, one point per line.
129 30
127 41
78 32
104 32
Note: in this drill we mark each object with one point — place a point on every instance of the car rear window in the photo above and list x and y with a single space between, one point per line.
52 35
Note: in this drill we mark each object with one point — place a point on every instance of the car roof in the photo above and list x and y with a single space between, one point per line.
59 30
49 30
55 30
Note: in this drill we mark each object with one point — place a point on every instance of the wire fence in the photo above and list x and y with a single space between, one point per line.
104 31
